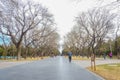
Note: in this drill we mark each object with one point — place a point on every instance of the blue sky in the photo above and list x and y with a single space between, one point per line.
7 40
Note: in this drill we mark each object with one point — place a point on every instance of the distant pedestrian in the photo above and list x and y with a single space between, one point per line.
70 56
104 55
110 55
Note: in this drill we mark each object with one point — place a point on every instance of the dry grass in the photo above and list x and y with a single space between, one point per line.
82 58
108 71
27 59
78 58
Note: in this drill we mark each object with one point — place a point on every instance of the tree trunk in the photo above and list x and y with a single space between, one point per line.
115 48
26 53
18 52
93 50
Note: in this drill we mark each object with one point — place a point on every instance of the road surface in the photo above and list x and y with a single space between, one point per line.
49 69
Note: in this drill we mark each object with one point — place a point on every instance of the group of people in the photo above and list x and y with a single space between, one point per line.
70 55
110 55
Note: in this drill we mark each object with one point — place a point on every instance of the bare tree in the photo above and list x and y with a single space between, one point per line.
78 40
39 33
97 23
48 39
21 18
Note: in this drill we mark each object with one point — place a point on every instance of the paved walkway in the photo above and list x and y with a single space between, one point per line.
7 64
49 69
87 63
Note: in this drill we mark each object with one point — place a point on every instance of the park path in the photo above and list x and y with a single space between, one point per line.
87 63
7 64
49 69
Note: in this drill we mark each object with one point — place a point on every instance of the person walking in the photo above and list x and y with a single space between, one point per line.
110 54
70 56
104 56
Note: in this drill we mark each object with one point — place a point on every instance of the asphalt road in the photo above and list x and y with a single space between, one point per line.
49 69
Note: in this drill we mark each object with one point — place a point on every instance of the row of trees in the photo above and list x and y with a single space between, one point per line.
95 31
27 29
